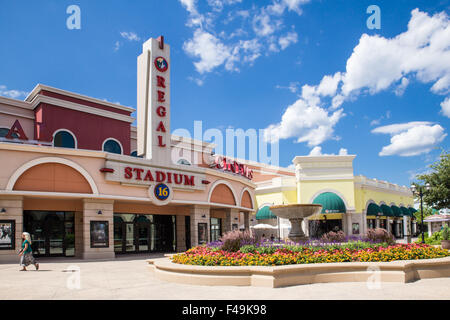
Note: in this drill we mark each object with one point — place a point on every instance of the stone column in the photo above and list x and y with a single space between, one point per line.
430 229
91 208
232 217
199 214
181 233
377 223
247 220
13 211
388 226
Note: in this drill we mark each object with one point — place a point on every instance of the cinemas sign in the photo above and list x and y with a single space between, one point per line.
126 173
232 166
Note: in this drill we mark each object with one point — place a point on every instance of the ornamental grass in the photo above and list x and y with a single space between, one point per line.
205 256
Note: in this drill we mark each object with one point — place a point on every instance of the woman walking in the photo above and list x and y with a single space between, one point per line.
26 254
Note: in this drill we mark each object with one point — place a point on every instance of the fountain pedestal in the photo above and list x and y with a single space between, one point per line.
296 234
296 213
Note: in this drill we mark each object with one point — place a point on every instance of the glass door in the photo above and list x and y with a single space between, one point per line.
129 237
54 225
143 236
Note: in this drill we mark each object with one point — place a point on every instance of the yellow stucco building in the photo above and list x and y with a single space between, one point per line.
350 203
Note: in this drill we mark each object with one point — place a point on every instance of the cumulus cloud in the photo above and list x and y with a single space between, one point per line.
445 105
308 123
423 50
209 49
412 138
376 64
317 151
10 93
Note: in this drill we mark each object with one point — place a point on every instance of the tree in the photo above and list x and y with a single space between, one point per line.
427 211
439 179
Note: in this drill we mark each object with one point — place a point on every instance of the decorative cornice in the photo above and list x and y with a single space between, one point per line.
41 87
82 108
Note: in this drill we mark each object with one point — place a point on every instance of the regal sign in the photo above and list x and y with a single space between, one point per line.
153 102
145 175
233 167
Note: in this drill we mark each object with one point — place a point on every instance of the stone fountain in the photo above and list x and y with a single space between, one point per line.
296 213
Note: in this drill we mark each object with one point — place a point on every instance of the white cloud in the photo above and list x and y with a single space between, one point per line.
317 151
218 5
411 139
288 39
13 94
117 46
292 87
376 64
343 152
423 50
211 51
329 85
400 127
189 5
308 123
445 105
197 81
259 27
278 7
401 87
130 36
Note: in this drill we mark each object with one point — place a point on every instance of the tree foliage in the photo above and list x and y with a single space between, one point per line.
439 179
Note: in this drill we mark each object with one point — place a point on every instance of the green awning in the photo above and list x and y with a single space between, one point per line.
412 210
405 211
331 203
265 213
387 211
374 210
397 211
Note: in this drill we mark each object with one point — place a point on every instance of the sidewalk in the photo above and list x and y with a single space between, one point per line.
130 278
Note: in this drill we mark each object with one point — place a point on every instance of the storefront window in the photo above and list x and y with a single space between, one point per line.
135 233
216 228
52 233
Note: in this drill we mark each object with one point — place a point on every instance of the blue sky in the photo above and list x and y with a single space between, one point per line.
309 71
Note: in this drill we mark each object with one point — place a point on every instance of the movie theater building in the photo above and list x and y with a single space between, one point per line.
71 175
350 203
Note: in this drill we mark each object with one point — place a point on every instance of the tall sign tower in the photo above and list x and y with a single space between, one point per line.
153 102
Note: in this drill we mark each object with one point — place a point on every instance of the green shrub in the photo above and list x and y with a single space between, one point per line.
248 249
445 233
233 240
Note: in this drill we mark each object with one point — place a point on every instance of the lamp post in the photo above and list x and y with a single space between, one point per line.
420 192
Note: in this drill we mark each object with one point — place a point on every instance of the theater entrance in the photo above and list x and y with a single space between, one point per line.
52 233
144 233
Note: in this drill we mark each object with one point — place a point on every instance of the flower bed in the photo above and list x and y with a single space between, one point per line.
298 254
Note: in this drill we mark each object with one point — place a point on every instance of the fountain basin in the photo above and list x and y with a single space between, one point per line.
296 213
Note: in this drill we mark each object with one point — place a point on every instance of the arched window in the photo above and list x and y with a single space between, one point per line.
184 161
112 146
64 139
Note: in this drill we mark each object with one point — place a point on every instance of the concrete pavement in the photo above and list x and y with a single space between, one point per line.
130 278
